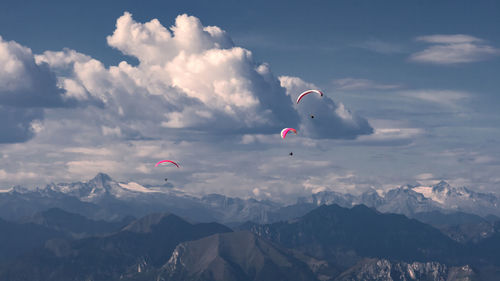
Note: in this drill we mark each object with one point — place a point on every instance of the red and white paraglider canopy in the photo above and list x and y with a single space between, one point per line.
166 161
308 92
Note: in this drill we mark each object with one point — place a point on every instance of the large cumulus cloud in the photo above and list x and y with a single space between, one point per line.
331 120
192 77
26 87
205 80
192 97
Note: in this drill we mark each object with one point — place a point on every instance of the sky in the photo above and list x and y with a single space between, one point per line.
410 94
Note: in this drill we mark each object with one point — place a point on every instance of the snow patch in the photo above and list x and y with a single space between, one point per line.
133 186
426 191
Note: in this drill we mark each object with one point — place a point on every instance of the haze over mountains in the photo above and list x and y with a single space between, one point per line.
106 230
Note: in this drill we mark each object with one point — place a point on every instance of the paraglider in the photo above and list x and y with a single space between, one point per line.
286 130
308 92
166 161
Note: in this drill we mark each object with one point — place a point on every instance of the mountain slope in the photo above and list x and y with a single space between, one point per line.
459 226
237 256
74 225
145 244
17 238
383 270
332 232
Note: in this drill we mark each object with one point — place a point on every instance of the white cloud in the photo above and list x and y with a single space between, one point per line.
92 167
353 84
26 87
448 98
391 136
330 120
191 77
427 179
154 44
346 182
16 176
194 98
261 139
256 192
424 176
389 133
111 131
453 49
23 82
88 151
188 77
448 39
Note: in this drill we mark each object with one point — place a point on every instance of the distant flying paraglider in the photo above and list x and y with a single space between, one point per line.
286 130
166 161
308 92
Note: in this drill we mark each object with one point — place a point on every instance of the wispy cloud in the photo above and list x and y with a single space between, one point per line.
427 179
453 49
472 157
448 98
349 84
388 133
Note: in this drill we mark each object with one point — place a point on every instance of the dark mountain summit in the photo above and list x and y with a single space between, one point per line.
143 245
237 256
329 232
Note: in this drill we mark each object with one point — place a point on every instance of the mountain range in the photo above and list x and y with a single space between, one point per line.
145 243
103 198
328 243
102 229
412 199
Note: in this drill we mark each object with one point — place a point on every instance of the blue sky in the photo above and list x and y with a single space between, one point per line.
424 75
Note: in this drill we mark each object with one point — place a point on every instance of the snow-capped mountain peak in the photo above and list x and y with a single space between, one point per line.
443 191
101 179
98 188
429 192
442 187
459 198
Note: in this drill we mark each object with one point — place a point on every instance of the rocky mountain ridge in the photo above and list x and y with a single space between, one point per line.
104 198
